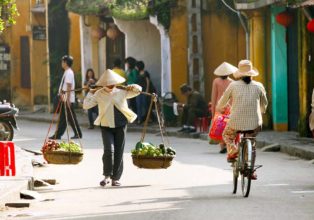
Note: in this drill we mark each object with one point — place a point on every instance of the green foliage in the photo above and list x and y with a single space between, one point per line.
139 9
87 7
125 9
162 9
8 13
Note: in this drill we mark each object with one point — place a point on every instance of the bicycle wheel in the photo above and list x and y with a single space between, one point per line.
235 176
246 167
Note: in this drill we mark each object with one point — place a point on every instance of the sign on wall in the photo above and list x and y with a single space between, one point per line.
39 32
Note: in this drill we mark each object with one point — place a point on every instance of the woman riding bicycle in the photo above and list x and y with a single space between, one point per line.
248 103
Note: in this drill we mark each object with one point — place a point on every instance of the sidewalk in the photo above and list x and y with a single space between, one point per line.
286 142
10 186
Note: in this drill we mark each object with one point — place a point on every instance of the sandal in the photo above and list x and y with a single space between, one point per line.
104 182
223 151
115 183
254 176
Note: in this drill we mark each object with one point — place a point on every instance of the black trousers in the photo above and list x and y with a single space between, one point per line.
113 141
72 121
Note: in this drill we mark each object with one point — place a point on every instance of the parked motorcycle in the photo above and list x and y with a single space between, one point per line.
8 112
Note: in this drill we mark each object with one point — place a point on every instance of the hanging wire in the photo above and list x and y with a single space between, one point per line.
230 8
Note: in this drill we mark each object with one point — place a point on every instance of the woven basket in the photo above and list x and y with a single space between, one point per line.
63 157
149 162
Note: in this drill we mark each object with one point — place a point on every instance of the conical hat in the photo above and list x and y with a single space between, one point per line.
225 69
109 78
245 69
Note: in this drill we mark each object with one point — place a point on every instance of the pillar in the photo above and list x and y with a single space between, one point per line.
279 72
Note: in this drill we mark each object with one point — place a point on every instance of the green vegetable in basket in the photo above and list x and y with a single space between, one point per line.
162 148
71 147
171 151
140 145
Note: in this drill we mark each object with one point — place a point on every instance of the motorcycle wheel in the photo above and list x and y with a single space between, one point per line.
6 131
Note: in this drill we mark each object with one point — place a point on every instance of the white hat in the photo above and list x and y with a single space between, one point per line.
109 78
245 69
225 69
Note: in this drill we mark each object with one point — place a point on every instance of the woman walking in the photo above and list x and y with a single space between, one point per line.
113 117
90 80
219 86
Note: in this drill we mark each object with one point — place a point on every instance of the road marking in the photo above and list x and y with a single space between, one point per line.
277 184
303 192
24 139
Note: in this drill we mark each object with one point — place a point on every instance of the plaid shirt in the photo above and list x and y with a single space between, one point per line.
249 101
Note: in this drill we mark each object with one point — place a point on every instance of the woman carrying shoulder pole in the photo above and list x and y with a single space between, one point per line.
114 114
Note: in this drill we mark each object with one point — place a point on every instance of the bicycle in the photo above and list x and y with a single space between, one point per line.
244 164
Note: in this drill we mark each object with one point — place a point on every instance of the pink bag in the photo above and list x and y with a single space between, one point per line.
218 125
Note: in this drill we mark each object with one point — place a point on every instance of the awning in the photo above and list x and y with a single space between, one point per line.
253 4
303 4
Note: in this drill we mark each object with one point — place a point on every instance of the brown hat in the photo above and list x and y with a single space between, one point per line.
245 68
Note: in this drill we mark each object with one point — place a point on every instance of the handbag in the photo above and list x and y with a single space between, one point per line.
219 123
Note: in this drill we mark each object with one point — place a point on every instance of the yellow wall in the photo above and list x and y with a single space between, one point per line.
11 36
223 40
258 44
39 76
75 41
39 91
25 97
179 51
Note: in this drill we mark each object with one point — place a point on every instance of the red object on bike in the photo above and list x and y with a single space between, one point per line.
218 126
7 158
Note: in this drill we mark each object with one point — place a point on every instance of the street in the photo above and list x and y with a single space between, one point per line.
198 185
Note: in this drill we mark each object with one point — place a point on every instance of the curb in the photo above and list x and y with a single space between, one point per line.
11 186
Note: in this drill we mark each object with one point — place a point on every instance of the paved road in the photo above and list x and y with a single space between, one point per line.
197 186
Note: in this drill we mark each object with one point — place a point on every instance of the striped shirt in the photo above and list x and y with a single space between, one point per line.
249 101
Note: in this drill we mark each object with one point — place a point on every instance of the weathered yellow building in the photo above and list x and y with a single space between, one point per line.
223 39
26 81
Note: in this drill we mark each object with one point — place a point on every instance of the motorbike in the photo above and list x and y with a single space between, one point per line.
8 113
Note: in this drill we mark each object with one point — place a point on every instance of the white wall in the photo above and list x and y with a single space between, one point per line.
86 48
143 43
165 56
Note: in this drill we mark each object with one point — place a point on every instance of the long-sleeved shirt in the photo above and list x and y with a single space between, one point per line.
108 102
196 101
249 101
219 86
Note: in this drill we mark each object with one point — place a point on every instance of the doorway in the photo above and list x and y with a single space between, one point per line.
293 81
115 49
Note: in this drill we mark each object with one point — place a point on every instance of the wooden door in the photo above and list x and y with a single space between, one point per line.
115 49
